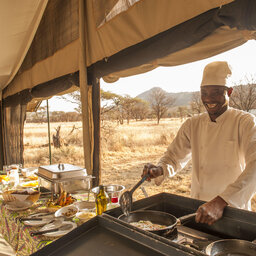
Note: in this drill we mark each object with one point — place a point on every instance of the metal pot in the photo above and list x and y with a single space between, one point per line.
231 247
158 217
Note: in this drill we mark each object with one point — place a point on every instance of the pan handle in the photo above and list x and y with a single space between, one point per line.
186 218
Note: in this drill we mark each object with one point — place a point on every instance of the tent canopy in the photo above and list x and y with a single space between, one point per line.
40 39
52 47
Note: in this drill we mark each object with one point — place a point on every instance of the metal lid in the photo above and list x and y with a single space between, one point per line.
60 171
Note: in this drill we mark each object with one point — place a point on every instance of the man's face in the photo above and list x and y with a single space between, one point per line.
215 100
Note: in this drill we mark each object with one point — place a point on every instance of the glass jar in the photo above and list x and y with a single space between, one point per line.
101 200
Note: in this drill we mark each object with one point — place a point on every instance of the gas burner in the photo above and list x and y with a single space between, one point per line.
192 238
191 244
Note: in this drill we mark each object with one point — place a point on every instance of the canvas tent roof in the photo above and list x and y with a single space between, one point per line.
140 21
51 47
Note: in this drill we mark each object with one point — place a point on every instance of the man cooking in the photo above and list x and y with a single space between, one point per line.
222 145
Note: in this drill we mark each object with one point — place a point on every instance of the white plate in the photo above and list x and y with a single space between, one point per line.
13 207
59 233
66 209
37 222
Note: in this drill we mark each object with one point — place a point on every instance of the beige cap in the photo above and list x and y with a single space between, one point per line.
216 73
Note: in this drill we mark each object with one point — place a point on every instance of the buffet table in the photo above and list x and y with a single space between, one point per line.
14 182
17 234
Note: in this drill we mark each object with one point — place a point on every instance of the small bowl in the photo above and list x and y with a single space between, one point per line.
85 215
85 205
68 211
112 190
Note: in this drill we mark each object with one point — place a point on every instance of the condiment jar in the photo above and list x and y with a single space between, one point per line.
101 200
113 203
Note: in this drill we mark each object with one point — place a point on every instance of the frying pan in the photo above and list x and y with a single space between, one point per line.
231 247
158 217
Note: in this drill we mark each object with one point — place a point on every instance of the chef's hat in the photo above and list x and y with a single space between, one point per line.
216 73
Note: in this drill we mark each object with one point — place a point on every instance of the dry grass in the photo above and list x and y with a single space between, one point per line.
125 150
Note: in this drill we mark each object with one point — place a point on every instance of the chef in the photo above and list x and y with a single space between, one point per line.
222 145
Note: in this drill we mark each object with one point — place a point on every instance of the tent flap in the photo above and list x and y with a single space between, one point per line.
57 86
199 30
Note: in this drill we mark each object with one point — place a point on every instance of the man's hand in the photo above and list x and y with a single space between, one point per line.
211 211
154 171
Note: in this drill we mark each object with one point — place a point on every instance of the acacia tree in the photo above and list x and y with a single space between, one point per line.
182 112
140 109
75 98
244 94
196 104
160 103
109 101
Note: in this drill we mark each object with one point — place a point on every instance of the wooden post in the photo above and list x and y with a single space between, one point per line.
1 137
96 121
84 89
49 132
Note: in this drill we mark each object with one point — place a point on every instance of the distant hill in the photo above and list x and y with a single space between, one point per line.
182 98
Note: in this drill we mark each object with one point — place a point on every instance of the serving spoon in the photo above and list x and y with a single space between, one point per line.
126 197
61 228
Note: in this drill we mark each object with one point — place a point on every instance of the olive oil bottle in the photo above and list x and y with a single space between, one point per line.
101 200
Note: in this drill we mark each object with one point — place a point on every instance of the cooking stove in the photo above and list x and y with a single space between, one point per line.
192 238
107 235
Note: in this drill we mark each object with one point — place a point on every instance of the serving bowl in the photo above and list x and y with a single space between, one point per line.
85 205
21 195
68 211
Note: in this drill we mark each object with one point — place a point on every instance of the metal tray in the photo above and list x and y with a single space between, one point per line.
103 236
61 171
70 185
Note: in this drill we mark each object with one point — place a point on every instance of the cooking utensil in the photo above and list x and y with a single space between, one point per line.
144 191
126 198
158 217
231 247
61 228
36 215
55 223
50 218
41 214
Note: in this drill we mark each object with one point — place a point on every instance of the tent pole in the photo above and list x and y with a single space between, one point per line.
87 126
96 172
49 133
1 136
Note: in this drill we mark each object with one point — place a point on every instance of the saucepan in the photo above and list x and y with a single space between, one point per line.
157 217
231 247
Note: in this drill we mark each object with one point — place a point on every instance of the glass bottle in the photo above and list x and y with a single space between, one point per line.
101 201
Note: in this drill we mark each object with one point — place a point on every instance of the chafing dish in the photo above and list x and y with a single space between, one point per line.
61 171
64 177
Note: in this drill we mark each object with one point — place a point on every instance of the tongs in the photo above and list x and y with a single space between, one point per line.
126 197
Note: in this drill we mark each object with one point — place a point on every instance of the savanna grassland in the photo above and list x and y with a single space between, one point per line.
124 151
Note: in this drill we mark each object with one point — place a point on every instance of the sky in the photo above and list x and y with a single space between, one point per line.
182 78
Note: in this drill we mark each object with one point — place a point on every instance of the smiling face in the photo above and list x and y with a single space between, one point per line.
215 99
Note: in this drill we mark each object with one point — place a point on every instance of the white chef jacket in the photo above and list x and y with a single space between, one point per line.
223 156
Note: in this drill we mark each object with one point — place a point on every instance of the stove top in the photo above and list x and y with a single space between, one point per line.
192 238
